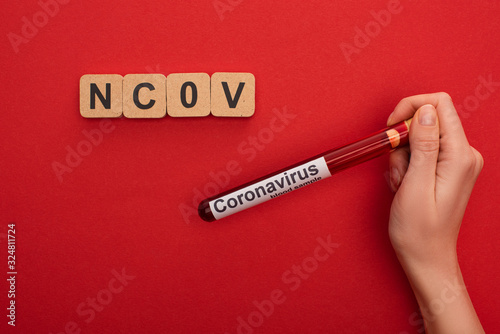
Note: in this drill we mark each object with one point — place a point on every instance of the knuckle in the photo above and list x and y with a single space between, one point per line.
405 100
426 145
444 96
469 162
479 160
406 103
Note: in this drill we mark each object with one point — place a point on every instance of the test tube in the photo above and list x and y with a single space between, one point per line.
304 173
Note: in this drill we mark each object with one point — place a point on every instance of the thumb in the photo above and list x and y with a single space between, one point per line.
424 149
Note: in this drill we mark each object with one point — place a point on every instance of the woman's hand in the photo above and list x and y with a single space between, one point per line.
432 190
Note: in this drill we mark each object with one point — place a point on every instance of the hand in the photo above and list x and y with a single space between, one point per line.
432 190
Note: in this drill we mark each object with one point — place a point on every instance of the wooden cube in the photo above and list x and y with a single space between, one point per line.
144 96
101 95
188 94
232 94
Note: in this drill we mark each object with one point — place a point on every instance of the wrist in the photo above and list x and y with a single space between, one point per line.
444 302
429 274
435 281
434 259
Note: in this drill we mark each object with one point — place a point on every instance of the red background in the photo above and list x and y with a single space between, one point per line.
120 207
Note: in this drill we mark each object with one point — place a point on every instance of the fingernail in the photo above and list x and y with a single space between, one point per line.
395 179
389 119
427 115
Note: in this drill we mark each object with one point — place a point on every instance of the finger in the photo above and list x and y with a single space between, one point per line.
453 190
424 148
453 139
398 165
